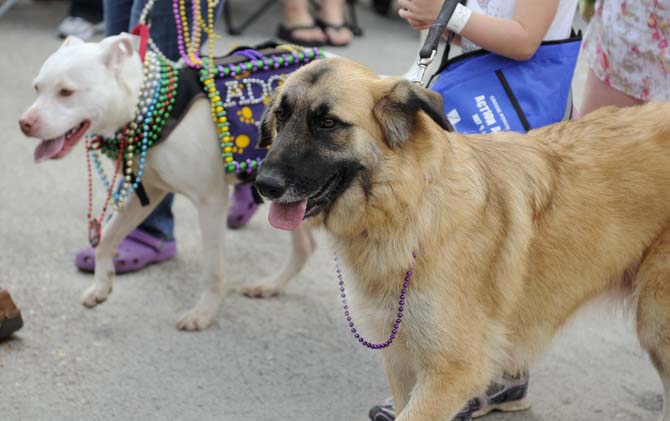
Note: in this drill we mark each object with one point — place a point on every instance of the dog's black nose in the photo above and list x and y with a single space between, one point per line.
271 184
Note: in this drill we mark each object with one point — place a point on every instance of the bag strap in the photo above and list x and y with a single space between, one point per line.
445 61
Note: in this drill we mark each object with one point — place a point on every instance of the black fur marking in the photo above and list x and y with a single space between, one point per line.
286 109
321 110
419 101
366 184
315 116
317 73
328 138
265 128
396 112
350 170
285 104
265 132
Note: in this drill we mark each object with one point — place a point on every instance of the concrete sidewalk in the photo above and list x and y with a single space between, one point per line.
288 358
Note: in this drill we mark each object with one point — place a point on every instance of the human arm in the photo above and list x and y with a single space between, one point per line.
517 38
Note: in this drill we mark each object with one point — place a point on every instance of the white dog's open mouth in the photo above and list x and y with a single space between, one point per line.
59 146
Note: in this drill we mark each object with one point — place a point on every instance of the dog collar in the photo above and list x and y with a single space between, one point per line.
142 31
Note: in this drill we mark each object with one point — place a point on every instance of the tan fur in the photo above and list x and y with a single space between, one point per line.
513 234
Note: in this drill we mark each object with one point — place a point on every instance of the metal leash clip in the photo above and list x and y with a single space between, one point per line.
429 50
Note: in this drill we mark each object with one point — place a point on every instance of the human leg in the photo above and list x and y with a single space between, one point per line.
598 94
84 20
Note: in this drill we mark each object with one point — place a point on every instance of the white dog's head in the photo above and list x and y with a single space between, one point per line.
81 88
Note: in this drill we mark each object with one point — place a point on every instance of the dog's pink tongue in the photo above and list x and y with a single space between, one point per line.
48 149
287 216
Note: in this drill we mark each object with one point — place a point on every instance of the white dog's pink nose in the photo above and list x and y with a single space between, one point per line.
28 125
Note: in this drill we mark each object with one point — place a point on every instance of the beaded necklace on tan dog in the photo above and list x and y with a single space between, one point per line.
396 323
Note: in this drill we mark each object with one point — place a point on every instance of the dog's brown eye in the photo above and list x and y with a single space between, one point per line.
66 92
328 123
280 115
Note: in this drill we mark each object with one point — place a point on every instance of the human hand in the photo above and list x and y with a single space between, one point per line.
420 13
418 25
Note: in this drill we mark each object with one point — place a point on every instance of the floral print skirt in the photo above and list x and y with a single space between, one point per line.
627 47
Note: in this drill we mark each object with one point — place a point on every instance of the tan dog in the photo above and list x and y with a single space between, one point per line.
513 232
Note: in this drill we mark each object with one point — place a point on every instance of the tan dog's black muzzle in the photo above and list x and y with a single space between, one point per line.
270 183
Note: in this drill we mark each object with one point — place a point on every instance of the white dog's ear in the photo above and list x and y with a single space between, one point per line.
71 40
134 40
116 50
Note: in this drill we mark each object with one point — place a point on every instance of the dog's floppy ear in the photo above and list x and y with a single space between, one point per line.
396 105
267 127
116 49
71 40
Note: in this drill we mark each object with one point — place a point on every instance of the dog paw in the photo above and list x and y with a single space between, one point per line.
260 291
194 320
95 295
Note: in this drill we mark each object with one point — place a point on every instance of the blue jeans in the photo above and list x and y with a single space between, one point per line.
122 16
90 10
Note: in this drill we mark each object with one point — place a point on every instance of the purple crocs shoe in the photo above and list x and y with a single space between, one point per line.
244 206
136 251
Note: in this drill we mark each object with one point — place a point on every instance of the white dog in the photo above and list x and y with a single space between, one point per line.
93 88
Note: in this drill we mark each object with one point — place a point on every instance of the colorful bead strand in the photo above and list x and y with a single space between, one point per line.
181 22
95 224
198 25
154 107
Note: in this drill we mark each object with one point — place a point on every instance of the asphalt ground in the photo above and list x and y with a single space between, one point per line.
287 358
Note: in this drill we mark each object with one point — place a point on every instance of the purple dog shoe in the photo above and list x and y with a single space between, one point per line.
136 251
243 208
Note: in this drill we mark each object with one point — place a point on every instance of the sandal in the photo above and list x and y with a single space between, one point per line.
10 316
137 251
244 206
325 26
288 34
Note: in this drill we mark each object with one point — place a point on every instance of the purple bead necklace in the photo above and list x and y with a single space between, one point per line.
401 307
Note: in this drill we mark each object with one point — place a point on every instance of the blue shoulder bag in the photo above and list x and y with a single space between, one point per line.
484 92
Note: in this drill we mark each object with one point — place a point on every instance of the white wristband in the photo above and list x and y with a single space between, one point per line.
459 19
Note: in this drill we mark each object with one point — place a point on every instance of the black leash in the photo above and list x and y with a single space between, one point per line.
429 50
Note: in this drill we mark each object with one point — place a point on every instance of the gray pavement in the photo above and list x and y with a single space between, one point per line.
288 358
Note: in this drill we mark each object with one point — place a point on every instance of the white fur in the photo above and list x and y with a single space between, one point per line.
106 79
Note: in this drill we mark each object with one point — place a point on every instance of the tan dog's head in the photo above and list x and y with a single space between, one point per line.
329 127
